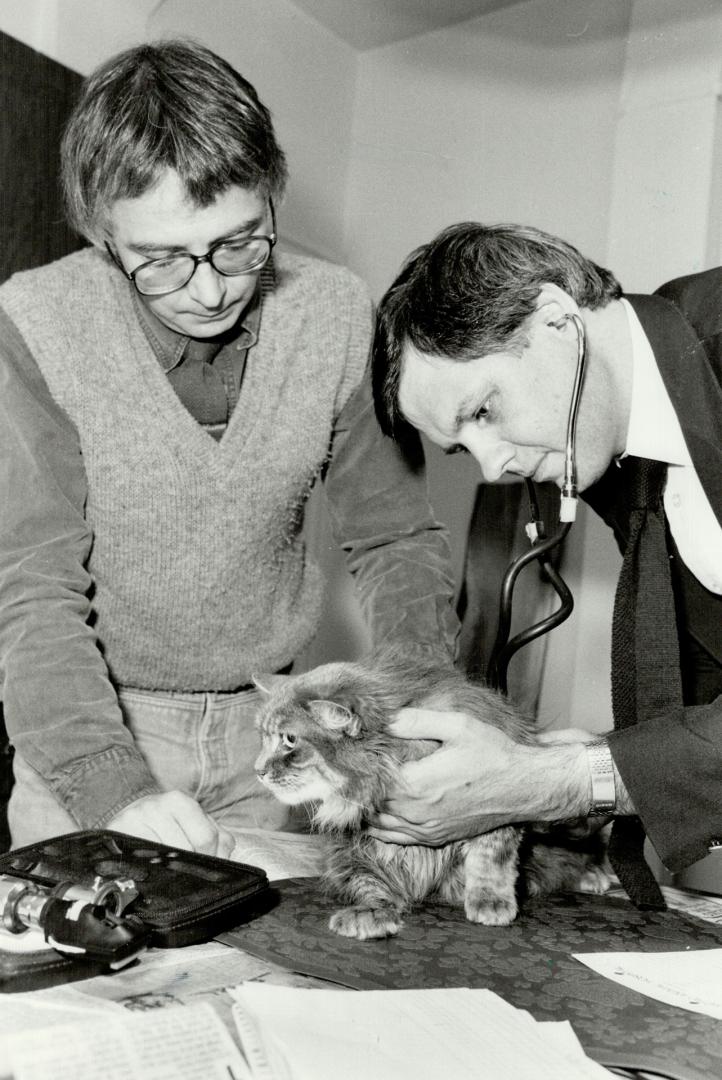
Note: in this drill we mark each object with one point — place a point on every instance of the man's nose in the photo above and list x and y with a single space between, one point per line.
492 468
491 456
207 286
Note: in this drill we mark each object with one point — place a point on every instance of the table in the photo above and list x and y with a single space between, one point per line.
528 964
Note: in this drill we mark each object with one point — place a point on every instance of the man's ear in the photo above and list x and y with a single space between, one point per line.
554 307
266 684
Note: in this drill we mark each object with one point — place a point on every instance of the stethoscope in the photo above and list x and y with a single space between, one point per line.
541 545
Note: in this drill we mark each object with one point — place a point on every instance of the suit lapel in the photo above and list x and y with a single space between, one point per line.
695 393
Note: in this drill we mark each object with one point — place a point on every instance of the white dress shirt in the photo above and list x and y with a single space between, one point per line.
655 433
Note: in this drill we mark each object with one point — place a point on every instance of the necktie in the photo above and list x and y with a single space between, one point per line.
645 652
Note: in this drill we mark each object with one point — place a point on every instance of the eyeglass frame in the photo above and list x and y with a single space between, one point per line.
271 237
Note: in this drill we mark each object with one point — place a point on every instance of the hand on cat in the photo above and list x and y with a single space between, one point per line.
477 780
171 817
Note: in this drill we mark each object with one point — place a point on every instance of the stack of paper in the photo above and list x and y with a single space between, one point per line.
297 1034
175 1043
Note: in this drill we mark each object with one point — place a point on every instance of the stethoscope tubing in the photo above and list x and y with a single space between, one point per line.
503 649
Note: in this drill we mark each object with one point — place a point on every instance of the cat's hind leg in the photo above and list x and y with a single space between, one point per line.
594 879
565 857
490 877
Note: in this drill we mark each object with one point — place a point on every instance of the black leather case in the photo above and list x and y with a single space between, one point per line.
184 898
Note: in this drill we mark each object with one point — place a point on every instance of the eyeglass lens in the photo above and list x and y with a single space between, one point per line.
239 257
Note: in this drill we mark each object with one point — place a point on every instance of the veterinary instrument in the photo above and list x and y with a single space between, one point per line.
541 545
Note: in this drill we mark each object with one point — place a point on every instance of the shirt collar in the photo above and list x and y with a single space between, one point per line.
654 431
171 347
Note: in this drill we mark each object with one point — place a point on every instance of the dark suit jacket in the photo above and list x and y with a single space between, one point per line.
672 762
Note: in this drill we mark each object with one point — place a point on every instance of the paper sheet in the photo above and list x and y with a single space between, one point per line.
176 1043
691 980
407 1035
281 855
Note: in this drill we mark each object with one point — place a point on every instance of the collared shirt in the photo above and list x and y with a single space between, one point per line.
655 433
205 374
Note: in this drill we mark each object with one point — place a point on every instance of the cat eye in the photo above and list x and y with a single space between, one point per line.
288 739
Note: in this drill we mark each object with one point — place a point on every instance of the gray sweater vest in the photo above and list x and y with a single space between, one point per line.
198 562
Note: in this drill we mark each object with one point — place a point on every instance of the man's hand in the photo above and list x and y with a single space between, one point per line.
170 817
477 780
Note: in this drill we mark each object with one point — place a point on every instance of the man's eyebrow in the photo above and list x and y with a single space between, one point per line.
465 411
143 247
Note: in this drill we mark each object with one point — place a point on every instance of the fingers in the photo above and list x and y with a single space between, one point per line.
398 830
175 819
427 724
393 837
225 843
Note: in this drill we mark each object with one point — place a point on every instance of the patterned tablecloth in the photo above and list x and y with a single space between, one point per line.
528 964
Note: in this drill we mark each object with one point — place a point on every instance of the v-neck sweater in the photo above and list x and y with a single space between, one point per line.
166 502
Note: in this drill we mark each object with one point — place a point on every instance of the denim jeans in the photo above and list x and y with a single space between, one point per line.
201 744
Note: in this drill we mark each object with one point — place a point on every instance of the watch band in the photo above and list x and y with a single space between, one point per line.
601 770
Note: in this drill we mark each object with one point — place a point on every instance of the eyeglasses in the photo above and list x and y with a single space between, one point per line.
228 257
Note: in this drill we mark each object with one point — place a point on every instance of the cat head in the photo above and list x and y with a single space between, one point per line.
343 714
322 736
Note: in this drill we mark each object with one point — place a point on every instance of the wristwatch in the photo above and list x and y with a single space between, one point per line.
601 769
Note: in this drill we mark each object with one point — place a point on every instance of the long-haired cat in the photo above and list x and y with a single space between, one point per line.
325 742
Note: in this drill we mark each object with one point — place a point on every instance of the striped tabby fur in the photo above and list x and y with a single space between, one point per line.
325 743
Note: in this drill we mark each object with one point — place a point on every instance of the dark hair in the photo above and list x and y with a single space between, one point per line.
468 293
169 104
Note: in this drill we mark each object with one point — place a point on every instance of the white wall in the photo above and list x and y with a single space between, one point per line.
77 33
663 221
510 116
306 76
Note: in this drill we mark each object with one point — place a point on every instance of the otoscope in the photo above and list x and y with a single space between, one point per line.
74 919
542 546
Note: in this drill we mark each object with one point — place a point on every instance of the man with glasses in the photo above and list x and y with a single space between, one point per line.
170 395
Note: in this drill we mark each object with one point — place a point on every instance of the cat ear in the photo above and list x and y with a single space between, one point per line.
268 683
336 717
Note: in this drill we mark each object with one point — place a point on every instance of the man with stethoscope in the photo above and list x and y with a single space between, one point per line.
481 343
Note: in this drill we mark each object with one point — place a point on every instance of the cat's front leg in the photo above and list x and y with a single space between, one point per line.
490 877
374 909
366 923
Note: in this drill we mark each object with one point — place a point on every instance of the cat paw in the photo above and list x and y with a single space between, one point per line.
499 911
594 880
365 923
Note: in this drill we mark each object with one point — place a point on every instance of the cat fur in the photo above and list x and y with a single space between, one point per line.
325 743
